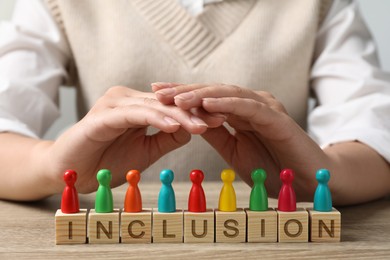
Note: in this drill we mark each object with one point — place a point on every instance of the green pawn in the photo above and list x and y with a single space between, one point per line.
104 202
259 198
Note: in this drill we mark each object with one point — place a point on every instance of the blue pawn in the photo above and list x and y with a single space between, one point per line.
166 197
322 196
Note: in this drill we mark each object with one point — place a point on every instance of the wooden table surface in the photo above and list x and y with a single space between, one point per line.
27 232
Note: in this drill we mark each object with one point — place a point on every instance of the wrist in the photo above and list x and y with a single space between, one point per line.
43 159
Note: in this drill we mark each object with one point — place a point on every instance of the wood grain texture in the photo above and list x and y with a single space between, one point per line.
71 228
136 227
28 232
168 227
199 227
293 226
262 226
103 228
230 227
325 226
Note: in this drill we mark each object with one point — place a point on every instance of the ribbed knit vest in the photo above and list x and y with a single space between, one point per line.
259 44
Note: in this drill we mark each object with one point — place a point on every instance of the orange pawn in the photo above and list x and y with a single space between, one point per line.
133 200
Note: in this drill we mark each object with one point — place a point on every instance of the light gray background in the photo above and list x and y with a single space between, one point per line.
376 13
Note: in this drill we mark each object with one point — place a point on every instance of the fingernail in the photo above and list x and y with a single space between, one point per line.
198 121
161 84
166 92
219 115
171 121
185 96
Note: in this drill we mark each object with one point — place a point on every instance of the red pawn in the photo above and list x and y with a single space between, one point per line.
287 200
197 199
70 198
133 199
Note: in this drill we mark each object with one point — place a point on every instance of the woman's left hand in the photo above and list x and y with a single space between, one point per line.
265 135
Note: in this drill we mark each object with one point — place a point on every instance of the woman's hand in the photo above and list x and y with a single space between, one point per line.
113 135
264 137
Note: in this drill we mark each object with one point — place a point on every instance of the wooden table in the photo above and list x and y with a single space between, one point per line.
27 232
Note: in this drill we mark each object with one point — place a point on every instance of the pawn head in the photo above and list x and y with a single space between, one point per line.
196 176
104 177
258 176
323 175
70 177
227 175
287 176
133 177
166 176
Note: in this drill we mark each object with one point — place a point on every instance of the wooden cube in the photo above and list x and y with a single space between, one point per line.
262 226
103 228
136 227
325 226
293 226
199 227
71 228
230 227
168 227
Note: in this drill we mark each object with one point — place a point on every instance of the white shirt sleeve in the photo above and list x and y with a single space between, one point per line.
33 56
353 92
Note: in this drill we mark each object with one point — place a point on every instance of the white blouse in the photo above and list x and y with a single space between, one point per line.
353 92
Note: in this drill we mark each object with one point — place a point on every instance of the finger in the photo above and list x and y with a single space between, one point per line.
162 143
188 96
110 123
265 120
117 97
211 119
246 108
141 112
156 86
202 118
187 120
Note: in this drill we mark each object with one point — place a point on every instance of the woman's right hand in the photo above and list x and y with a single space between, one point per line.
113 135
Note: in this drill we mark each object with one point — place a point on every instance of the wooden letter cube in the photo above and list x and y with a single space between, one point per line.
262 226
103 228
325 226
293 226
168 227
136 227
199 227
71 228
230 227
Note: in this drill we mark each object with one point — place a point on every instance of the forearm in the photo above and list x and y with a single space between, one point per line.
23 173
358 173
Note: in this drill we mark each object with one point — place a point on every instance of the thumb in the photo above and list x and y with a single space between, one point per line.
162 143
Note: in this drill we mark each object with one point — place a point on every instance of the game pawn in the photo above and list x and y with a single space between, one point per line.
262 221
287 198
70 221
197 198
133 199
292 222
103 221
136 222
258 197
230 222
325 221
322 195
167 220
198 220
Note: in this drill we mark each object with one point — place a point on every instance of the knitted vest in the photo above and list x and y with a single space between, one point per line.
259 44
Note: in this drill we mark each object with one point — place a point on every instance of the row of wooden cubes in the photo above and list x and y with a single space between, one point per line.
242 225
